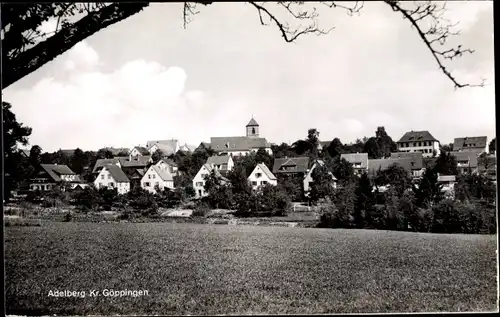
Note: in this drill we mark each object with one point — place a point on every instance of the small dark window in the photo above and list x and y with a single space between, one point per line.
253 130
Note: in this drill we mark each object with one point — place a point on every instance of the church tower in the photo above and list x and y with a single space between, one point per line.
253 128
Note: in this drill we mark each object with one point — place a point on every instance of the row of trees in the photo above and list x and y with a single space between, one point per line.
412 205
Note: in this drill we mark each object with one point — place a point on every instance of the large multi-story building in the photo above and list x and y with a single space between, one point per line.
419 141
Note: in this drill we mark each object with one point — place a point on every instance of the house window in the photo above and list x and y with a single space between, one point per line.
254 183
199 183
109 176
100 184
258 175
253 130
154 176
149 176
199 192
147 184
102 176
264 182
112 184
157 184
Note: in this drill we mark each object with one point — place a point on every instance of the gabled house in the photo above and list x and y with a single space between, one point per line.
100 163
359 162
111 176
221 163
308 179
138 151
466 162
157 178
168 165
419 141
199 180
261 175
416 162
377 165
167 147
50 175
291 165
131 163
478 144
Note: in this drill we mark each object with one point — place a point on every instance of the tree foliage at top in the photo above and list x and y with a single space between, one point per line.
25 48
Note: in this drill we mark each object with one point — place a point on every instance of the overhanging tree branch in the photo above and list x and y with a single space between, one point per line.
438 33
27 62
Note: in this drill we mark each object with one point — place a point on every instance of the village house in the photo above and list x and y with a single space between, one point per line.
377 165
199 180
138 151
478 144
292 165
221 163
419 141
50 175
111 176
157 178
261 175
131 163
308 179
466 162
359 162
100 163
166 147
168 165
187 148
416 162
241 145
203 146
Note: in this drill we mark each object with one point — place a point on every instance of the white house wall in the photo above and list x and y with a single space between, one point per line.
256 182
151 179
199 182
413 147
105 179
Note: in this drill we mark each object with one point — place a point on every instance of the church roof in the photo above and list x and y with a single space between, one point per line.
252 123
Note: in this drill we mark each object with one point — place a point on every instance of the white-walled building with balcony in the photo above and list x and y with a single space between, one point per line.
419 141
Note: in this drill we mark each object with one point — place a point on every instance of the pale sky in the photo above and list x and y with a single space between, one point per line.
148 78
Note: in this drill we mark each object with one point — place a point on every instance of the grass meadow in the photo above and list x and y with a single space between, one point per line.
216 269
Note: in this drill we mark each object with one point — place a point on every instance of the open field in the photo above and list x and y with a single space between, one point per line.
210 269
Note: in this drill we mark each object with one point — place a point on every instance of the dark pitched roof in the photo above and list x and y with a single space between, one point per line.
55 171
140 161
296 165
416 158
143 150
218 159
102 162
25 152
356 158
382 164
238 143
117 173
466 156
413 136
167 161
460 144
252 123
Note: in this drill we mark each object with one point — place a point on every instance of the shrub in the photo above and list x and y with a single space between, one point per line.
68 217
201 209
